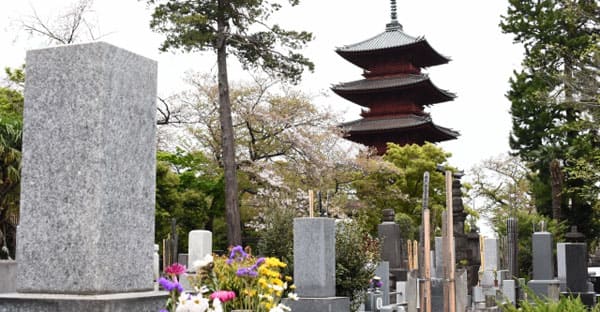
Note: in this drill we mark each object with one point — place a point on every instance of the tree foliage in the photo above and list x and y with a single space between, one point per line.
193 26
189 188
555 103
357 254
239 28
11 128
397 183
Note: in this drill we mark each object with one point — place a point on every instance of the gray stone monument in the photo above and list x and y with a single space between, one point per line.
392 246
86 232
439 259
512 248
543 263
572 268
383 271
490 266
314 266
199 246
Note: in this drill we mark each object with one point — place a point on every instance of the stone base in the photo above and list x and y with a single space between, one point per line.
540 287
329 304
121 302
8 276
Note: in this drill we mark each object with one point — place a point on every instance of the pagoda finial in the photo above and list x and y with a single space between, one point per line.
393 25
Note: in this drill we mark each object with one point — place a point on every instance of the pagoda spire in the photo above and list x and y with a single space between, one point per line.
393 25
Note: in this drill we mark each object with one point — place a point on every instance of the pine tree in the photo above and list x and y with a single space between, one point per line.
555 104
232 26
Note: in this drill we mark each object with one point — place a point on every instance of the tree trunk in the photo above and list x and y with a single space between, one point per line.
556 184
232 212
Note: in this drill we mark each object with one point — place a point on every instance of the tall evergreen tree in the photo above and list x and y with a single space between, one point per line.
555 104
238 27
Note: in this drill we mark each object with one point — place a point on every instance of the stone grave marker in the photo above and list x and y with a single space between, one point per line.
314 266
86 233
543 264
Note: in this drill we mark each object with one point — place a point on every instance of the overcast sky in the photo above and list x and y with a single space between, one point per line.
467 31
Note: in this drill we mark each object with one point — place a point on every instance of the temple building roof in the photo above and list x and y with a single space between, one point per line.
393 43
416 87
398 124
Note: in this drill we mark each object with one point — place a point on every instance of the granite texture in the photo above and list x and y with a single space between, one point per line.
540 287
124 302
88 171
199 245
8 276
509 291
490 254
412 292
314 257
330 304
383 271
391 249
542 256
573 266
438 258
461 286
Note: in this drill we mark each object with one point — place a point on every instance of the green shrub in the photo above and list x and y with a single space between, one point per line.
356 256
537 304
277 238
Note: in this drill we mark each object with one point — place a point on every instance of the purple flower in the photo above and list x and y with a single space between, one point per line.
170 285
250 272
163 310
233 256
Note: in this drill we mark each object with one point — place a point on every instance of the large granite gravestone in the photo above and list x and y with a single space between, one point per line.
383 271
88 181
490 265
572 271
543 264
314 266
392 246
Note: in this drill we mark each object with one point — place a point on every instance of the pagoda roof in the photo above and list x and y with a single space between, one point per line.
399 124
394 43
361 91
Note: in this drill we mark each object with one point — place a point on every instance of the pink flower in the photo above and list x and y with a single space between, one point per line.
175 269
223 295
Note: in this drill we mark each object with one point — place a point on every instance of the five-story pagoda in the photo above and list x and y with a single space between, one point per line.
393 90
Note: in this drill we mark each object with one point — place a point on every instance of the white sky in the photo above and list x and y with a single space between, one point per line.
467 31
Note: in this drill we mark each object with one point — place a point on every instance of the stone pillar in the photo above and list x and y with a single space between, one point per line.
392 249
314 266
572 271
513 247
199 245
87 179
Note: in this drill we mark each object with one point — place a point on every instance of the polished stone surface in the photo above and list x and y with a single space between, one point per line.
542 256
88 171
314 257
391 246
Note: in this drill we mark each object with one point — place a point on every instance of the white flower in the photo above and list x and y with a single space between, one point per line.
198 264
280 308
293 296
217 307
189 303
